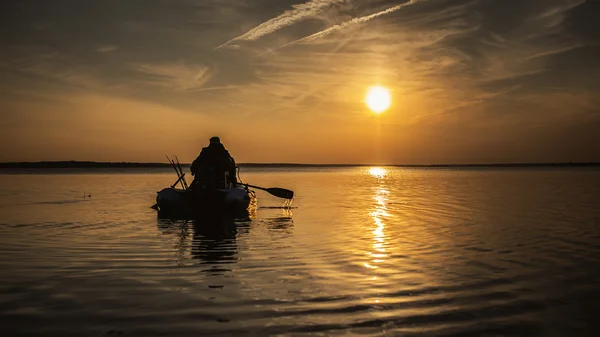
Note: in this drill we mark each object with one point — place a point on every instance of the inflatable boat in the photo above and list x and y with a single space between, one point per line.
192 202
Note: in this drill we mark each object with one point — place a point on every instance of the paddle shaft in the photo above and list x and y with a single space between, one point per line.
276 191
260 188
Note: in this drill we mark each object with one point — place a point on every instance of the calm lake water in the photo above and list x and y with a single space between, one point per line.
394 251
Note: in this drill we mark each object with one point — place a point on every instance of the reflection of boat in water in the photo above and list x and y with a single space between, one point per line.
213 239
213 242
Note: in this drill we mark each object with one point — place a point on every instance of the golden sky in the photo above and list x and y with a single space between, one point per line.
471 81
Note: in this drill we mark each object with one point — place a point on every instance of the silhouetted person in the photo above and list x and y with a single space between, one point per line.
214 167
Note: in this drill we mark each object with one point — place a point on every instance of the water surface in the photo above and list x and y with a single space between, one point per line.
392 251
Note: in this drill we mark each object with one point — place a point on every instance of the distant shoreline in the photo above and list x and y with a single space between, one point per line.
91 164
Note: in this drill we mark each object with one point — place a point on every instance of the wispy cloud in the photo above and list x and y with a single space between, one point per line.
177 76
106 49
287 18
357 20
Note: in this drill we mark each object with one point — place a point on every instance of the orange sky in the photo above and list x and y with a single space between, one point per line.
471 81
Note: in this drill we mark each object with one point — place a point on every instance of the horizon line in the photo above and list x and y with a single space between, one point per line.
91 164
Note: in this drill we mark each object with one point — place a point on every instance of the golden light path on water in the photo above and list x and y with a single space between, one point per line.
378 214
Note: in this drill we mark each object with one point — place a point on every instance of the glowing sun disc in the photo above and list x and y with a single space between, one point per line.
378 99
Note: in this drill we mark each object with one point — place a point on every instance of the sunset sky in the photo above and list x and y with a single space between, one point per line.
471 81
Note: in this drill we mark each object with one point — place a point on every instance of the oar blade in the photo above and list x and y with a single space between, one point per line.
281 192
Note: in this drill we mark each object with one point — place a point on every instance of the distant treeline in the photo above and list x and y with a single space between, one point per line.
91 164
423 165
80 164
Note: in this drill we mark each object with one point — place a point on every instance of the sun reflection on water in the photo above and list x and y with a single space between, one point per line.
377 254
377 172
378 214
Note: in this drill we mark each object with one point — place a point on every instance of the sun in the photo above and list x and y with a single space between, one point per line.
378 99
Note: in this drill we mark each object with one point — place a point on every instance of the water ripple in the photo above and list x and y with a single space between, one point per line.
407 252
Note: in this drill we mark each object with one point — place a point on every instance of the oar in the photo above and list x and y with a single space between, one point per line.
276 191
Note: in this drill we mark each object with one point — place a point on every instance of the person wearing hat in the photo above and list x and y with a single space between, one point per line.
214 167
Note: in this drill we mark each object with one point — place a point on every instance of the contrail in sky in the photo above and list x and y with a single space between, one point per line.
289 17
354 21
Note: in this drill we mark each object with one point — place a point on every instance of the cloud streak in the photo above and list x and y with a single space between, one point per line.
287 18
354 21
106 49
178 76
